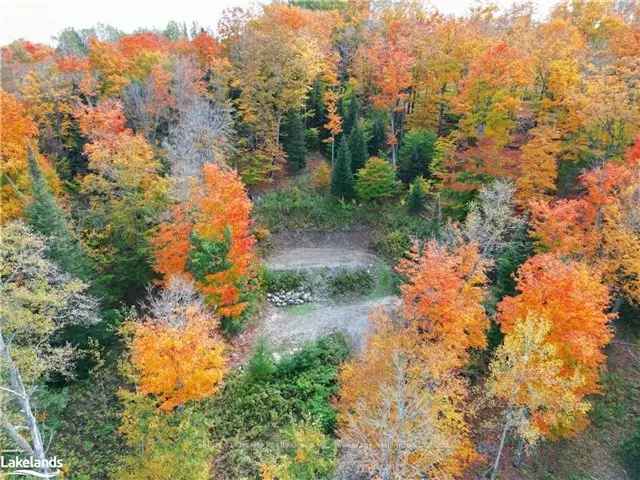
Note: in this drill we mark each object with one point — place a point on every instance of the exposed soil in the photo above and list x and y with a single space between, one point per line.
288 328
321 257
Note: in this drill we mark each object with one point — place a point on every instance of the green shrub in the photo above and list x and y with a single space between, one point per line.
351 282
376 181
247 417
287 280
299 207
90 448
175 443
310 455
613 405
394 245
261 367
630 454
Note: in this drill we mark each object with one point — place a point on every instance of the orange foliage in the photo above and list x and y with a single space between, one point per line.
19 134
132 57
178 364
537 180
573 299
492 92
219 205
208 50
600 227
102 122
443 298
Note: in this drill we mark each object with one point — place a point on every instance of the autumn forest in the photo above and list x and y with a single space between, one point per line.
326 239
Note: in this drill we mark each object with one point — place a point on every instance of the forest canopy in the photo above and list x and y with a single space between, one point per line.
327 239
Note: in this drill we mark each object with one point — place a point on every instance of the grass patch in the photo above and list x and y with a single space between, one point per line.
387 281
299 207
304 309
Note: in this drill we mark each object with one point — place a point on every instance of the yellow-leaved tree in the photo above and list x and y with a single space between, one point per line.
527 378
398 418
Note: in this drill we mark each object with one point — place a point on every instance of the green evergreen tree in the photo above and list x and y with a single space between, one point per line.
46 217
377 134
416 154
342 184
293 140
358 148
417 196
315 104
350 111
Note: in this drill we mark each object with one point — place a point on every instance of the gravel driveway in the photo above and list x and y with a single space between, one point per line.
315 258
289 327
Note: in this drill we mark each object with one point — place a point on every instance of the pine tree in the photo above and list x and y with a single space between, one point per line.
416 154
350 112
46 217
378 137
342 183
315 104
358 148
417 196
293 140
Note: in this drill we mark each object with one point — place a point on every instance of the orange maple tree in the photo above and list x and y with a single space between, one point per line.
388 61
178 363
19 134
218 211
599 227
443 298
572 298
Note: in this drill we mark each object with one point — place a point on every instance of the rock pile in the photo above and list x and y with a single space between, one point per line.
284 298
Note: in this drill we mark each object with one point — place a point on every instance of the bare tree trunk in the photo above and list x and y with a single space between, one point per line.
393 147
333 143
36 448
496 463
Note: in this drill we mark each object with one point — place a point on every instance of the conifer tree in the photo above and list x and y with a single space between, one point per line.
350 114
378 134
315 104
358 148
417 196
342 183
416 154
47 218
293 140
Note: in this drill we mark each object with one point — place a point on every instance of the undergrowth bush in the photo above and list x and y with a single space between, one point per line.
300 207
393 245
351 282
276 281
630 453
248 415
